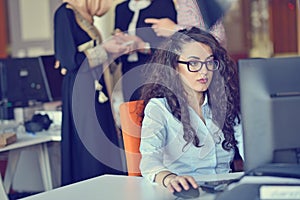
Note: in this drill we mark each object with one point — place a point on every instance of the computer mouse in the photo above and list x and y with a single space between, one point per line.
188 194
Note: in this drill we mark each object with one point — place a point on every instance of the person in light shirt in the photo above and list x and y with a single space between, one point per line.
191 120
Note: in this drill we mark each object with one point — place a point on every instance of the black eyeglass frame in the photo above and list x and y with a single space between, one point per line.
216 64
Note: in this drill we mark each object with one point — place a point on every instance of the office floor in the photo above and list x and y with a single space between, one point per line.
13 195
19 195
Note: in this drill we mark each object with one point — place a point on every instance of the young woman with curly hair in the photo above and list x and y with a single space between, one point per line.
191 120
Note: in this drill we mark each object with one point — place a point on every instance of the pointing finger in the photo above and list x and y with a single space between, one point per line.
151 21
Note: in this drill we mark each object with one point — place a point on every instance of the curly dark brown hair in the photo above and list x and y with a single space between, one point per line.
223 92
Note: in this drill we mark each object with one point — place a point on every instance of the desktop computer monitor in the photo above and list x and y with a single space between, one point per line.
54 77
24 82
270 108
6 111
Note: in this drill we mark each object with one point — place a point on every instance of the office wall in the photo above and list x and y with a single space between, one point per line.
3 30
237 28
285 25
30 26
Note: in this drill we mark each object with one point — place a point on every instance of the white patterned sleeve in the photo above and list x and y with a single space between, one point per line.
189 14
218 31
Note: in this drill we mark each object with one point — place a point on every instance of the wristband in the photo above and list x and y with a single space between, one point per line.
163 180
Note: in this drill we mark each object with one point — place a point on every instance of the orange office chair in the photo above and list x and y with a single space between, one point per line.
131 121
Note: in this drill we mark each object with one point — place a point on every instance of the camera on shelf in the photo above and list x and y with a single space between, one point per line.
38 123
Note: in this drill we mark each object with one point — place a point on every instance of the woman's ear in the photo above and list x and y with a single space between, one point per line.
177 67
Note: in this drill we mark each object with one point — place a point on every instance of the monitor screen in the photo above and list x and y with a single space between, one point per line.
25 82
270 107
54 77
6 111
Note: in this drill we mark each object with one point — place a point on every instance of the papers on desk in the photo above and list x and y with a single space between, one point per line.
264 180
270 187
7 138
55 116
8 126
268 180
273 192
262 187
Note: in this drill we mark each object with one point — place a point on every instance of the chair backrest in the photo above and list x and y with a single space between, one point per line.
131 121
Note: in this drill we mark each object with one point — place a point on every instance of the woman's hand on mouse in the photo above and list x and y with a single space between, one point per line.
177 183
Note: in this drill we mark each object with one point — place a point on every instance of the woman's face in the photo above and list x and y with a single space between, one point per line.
195 51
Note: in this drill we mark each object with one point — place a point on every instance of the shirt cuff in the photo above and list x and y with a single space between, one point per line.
178 28
147 48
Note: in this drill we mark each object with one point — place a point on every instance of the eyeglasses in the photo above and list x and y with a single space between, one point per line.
196 66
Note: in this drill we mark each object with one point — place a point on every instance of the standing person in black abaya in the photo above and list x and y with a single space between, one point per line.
89 144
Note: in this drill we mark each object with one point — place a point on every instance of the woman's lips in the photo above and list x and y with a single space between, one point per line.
203 80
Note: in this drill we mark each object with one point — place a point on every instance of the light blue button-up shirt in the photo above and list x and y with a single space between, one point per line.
163 147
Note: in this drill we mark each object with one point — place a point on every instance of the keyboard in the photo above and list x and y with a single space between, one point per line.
216 185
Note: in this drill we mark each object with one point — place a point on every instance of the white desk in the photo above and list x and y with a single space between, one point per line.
38 143
115 187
